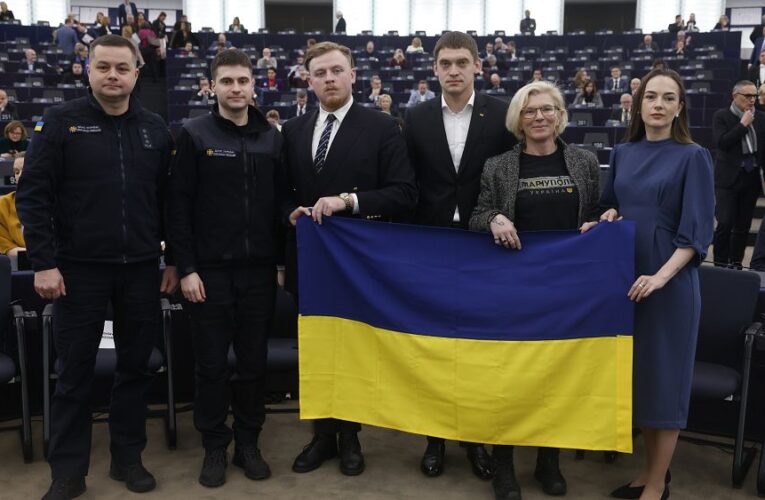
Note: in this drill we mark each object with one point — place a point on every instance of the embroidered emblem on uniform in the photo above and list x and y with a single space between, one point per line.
225 153
85 129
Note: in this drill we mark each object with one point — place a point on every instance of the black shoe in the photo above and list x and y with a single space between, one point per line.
480 460
135 476
432 463
66 488
249 459
632 492
213 473
505 484
351 458
322 447
548 472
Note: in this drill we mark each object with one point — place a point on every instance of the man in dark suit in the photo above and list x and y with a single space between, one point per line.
739 133
127 8
616 82
757 31
449 139
528 25
757 71
348 160
301 106
340 26
678 25
30 64
648 44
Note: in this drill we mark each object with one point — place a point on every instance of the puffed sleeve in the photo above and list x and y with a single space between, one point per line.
698 205
608 197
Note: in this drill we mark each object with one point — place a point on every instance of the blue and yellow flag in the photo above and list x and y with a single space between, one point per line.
441 332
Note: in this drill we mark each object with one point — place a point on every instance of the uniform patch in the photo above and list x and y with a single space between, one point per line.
225 153
85 129
146 139
39 126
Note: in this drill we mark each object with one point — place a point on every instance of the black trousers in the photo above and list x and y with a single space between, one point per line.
238 310
133 290
333 425
734 209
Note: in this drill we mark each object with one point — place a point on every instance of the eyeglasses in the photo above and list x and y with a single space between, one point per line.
547 112
751 97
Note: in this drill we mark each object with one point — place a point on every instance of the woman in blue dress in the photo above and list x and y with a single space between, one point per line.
663 181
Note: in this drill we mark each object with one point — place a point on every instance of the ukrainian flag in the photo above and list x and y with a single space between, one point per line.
441 332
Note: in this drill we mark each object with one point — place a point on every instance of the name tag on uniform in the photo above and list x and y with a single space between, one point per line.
85 129
225 153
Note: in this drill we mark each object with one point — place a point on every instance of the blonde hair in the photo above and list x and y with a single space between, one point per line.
513 120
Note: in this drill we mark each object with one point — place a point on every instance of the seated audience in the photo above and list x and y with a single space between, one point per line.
495 84
370 52
76 76
101 27
5 14
270 82
11 234
188 51
7 109
683 37
511 52
616 82
416 46
622 114
691 25
82 55
273 118
759 104
385 102
205 94
723 24
489 51
299 80
14 139
219 42
634 85
398 60
589 96
375 89
30 64
536 76
499 46
267 61
648 44
490 66
659 64
759 46
580 78
679 50
236 27
301 106
421 94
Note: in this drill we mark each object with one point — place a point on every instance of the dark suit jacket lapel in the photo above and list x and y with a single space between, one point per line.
477 120
349 130
440 144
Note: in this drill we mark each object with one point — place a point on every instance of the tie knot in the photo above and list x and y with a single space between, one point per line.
330 118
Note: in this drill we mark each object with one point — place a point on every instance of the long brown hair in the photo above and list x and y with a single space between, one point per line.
680 131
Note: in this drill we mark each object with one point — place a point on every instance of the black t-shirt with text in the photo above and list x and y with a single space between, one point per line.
547 197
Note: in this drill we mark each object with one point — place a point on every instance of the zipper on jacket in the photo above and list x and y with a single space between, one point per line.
246 198
124 194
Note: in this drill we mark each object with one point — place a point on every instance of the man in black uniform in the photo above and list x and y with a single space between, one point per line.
225 185
528 24
91 204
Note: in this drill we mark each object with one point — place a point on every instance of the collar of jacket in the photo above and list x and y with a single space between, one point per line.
256 121
134 106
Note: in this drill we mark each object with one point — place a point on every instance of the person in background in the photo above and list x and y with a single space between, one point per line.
127 33
11 235
623 113
267 61
385 102
536 76
691 24
272 116
760 104
679 50
421 94
723 24
648 44
101 27
375 89
127 8
340 27
7 109
183 36
76 76
580 78
398 60
66 36
5 14
634 86
236 26
678 25
589 96
271 82
759 46
14 139
205 94
219 42
616 82
660 179
528 24
159 26
756 73
370 52
757 30
415 47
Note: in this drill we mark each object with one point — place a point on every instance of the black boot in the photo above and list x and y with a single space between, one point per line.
548 472
135 476
65 488
432 463
505 484
213 473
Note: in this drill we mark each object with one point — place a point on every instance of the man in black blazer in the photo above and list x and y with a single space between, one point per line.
348 160
623 113
757 71
449 139
301 106
340 26
739 133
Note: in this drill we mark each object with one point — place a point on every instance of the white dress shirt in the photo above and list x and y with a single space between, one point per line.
762 74
318 128
456 126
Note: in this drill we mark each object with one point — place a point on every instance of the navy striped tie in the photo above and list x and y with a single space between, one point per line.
321 151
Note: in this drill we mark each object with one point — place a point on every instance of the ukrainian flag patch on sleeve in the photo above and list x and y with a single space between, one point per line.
39 126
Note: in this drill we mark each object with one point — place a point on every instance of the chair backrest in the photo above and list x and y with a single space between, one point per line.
581 118
728 304
595 138
5 296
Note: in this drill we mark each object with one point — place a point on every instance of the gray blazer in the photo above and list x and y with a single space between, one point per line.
499 185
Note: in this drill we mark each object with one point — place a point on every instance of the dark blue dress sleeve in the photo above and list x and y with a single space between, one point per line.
696 224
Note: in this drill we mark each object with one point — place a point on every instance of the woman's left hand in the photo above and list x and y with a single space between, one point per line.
587 226
645 285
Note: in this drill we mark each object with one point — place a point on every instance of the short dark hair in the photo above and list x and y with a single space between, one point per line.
114 41
456 40
230 57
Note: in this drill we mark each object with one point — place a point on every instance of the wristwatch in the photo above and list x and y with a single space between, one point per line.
348 199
